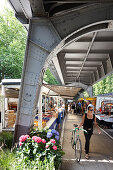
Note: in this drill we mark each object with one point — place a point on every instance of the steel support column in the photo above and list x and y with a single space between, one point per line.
90 91
42 39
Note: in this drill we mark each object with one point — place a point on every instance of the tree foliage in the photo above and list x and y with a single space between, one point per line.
103 86
12 46
49 78
85 93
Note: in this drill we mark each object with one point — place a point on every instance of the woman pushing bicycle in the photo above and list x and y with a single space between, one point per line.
88 120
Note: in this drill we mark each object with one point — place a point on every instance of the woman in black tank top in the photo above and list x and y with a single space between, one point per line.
88 121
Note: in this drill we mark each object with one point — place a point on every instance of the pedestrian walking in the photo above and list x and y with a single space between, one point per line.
66 108
79 107
73 108
88 120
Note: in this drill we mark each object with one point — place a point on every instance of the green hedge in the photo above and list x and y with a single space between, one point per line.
6 138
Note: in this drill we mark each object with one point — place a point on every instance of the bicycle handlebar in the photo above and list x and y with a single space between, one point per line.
80 129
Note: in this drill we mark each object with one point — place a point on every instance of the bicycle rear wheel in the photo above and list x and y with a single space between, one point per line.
78 149
73 139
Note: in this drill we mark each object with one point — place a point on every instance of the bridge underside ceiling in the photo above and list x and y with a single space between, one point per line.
30 8
88 59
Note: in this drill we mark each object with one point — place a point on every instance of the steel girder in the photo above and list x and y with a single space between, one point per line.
42 39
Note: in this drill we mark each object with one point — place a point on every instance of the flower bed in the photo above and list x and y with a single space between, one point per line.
40 145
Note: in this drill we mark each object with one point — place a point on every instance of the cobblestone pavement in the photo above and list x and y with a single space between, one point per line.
101 149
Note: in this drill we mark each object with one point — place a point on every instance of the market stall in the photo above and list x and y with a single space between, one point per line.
51 103
105 111
9 92
50 108
85 101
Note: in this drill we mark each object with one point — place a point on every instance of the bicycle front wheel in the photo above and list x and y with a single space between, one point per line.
78 149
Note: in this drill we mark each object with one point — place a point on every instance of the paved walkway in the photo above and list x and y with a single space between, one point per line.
101 149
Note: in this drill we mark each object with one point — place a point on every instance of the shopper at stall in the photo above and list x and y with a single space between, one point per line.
63 110
88 120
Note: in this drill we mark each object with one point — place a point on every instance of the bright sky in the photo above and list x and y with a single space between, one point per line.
4 4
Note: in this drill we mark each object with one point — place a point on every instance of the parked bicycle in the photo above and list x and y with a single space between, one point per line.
76 142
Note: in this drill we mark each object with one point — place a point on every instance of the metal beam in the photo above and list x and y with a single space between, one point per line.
75 76
108 64
100 51
62 63
22 5
96 59
77 1
58 68
79 65
81 62
98 39
54 72
111 58
72 72
22 18
37 7
96 74
101 71
90 68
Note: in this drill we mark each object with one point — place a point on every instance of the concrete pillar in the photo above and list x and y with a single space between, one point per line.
42 39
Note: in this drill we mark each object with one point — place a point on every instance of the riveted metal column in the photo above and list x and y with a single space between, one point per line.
42 39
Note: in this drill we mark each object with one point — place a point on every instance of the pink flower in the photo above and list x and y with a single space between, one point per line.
34 138
53 141
47 146
43 141
27 136
20 144
55 147
22 138
37 139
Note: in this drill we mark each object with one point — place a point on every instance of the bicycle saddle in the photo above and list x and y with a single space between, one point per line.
75 125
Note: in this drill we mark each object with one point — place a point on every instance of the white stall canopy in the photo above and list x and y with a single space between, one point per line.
63 91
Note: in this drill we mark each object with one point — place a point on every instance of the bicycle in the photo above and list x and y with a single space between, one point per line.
76 142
